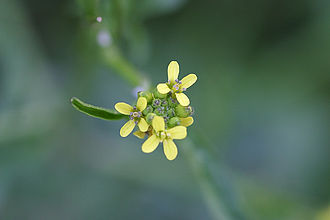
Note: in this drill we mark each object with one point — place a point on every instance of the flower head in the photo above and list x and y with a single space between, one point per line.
165 136
135 116
175 86
161 114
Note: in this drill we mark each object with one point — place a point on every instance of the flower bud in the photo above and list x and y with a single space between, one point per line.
146 94
183 111
172 102
171 112
149 117
173 122
147 110
159 95
156 103
160 111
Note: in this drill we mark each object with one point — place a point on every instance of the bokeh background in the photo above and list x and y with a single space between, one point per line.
261 108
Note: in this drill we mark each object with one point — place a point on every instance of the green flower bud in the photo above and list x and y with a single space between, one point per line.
164 103
160 111
173 122
146 94
182 111
147 110
159 95
149 117
156 103
172 102
170 112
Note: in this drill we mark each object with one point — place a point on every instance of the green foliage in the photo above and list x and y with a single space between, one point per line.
95 111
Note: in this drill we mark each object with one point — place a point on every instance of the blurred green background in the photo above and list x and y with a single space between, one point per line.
261 108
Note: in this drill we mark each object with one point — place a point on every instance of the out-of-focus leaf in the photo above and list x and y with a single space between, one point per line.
88 8
95 111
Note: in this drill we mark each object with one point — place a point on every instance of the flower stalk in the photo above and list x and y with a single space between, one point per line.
122 66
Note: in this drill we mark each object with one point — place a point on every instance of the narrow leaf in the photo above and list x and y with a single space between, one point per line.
95 111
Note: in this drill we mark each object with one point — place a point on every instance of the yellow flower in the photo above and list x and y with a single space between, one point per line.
160 134
135 114
186 121
139 134
175 86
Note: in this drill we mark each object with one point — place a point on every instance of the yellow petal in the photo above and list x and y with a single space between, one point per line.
139 134
188 81
127 128
186 121
178 132
173 71
170 149
163 88
158 123
141 103
150 144
123 108
143 125
182 99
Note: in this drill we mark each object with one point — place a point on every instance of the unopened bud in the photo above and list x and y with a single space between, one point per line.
148 110
159 95
172 102
147 95
156 103
171 112
149 117
182 111
159 111
173 122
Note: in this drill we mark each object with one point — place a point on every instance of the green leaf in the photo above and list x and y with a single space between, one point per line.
95 111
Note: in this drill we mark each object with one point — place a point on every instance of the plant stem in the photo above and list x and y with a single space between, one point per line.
208 186
122 66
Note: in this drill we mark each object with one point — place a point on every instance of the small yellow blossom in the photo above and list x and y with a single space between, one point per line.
186 121
135 114
175 86
166 136
139 134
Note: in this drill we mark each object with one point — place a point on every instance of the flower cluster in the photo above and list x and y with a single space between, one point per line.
162 114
